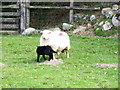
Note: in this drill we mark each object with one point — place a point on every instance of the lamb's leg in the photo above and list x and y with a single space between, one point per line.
38 56
50 57
44 57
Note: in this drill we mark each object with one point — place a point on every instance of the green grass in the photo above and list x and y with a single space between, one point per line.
106 33
79 71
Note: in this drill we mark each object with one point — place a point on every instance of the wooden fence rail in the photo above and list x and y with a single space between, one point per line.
8 20
9 26
9 14
23 13
62 7
12 6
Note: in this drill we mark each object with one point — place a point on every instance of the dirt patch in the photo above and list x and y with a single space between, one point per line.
109 65
2 65
116 35
52 62
81 33
91 33
86 33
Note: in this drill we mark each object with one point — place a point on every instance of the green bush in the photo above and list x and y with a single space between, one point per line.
79 21
73 27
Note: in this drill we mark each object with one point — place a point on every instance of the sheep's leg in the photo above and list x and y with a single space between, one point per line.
50 57
67 54
38 56
44 57
53 56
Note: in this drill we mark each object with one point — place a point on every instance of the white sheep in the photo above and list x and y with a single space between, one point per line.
58 40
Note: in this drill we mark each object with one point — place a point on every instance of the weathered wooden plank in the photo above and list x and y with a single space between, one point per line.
10 6
49 7
27 13
71 11
86 8
62 7
9 14
22 16
9 32
9 20
9 26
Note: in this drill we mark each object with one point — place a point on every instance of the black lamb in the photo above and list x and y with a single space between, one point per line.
44 50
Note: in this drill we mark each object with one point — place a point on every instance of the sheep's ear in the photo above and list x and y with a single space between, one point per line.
50 32
41 32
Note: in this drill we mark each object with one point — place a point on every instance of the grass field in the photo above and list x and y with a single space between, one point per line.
79 71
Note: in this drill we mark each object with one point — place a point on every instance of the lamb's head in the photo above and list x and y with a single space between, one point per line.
46 34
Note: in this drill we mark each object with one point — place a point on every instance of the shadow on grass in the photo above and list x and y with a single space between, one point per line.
34 61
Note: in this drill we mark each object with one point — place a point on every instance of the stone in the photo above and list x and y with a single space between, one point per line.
97 29
89 25
28 31
77 16
66 26
96 24
101 23
92 17
118 15
85 17
107 12
57 29
115 21
107 26
115 7
79 29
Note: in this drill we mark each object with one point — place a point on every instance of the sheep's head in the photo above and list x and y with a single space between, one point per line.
45 34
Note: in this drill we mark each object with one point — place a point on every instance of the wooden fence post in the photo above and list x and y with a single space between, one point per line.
0 16
27 13
71 11
22 16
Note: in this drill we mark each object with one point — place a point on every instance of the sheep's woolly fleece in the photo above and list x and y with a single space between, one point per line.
53 62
